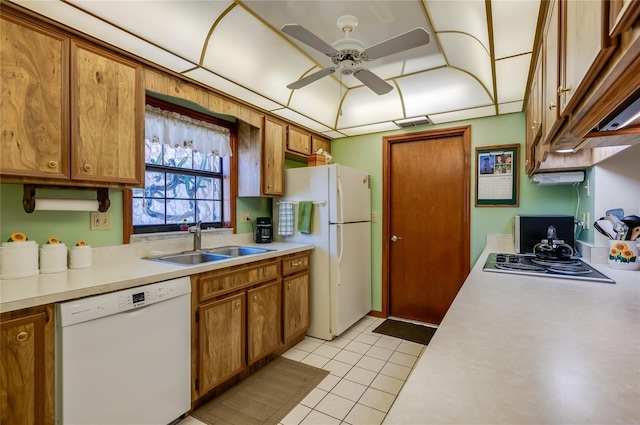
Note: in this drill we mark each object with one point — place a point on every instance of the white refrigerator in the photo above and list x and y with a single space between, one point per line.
341 233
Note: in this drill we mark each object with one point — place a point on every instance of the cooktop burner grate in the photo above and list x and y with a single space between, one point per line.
531 265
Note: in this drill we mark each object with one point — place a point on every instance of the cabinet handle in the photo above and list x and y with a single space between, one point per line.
52 164
237 305
297 263
289 285
255 297
22 336
87 167
562 90
552 105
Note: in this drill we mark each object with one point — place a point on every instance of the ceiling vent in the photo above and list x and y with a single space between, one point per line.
413 122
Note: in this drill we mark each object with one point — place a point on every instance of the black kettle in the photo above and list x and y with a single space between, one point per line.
553 248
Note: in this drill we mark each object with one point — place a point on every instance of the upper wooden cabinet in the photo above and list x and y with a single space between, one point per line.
107 110
533 117
273 162
585 46
34 110
318 142
550 77
261 159
298 141
72 113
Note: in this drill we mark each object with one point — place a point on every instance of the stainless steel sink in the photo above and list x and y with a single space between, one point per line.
237 251
189 258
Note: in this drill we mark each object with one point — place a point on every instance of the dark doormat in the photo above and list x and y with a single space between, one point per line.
265 397
404 330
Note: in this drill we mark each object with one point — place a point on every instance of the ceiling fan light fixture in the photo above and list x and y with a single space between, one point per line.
413 122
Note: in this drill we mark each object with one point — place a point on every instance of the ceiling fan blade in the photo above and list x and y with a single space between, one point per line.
371 80
311 78
408 40
308 38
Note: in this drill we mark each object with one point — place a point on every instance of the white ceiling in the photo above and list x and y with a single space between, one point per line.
476 64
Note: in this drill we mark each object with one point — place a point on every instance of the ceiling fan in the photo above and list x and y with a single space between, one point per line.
347 54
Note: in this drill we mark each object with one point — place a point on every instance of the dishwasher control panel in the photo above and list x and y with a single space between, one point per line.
84 309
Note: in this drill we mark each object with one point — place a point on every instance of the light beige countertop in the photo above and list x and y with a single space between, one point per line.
518 349
120 267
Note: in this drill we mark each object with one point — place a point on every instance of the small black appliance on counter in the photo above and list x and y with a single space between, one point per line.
529 230
264 231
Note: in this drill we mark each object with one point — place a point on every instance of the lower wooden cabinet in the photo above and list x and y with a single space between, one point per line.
263 321
243 315
27 366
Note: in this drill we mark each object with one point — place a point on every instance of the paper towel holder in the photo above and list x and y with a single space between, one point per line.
29 196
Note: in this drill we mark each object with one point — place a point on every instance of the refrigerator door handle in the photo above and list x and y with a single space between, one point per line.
339 210
339 234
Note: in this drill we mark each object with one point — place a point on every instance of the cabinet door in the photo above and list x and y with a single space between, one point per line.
107 110
550 44
295 302
221 339
534 117
34 112
584 48
27 369
298 141
273 158
263 323
320 143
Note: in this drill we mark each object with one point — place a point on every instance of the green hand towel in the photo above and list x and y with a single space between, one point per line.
305 216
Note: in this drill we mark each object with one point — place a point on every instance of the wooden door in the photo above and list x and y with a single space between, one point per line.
107 110
34 111
26 368
295 301
273 158
221 337
263 323
426 209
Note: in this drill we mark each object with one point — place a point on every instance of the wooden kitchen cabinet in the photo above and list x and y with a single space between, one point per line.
550 77
585 46
72 113
34 112
263 320
318 142
261 159
221 334
298 141
295 296
533 117
27 367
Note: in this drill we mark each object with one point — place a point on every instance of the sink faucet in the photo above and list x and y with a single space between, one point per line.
197 236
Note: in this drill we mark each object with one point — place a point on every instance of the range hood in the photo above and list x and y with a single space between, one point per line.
626 116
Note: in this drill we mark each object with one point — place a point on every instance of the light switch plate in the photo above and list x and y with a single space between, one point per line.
100 221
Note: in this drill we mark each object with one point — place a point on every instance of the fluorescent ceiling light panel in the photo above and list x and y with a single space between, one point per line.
466 114
319 99
468 54
234 90
511 76
465 16
362 106
514 26
367 129
440 90
245 50
290 115
508 108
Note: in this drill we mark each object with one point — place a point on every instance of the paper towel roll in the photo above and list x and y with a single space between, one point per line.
80 257
45 204
18 259
53 258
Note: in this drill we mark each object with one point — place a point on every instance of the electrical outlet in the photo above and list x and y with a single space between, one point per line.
374 217
245 216
100 221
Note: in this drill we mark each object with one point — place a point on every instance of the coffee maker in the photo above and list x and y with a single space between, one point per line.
264 231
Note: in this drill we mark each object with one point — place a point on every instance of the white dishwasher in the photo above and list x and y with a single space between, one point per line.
124 357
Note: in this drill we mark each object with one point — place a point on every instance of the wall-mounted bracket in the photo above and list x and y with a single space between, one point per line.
29 196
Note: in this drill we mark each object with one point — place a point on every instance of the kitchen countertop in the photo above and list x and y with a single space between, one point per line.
518 349
124 268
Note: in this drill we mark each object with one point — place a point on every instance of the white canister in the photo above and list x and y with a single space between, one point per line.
80 257
53 258
18 259
623 255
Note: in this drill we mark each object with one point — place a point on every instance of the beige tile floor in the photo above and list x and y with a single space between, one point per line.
367 370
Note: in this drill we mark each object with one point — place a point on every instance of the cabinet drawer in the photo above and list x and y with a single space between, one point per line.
216 283
295 263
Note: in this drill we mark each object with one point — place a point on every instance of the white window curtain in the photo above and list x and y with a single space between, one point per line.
175 130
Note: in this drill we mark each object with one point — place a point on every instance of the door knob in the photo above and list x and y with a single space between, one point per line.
395 238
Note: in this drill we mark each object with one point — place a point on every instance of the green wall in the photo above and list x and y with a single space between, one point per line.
365 153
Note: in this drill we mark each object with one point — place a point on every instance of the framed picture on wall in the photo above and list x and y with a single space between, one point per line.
497 176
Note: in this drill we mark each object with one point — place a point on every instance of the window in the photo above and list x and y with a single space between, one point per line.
186 161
